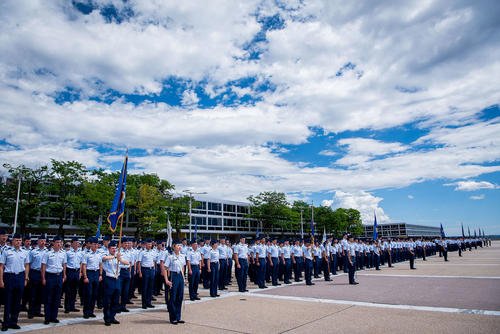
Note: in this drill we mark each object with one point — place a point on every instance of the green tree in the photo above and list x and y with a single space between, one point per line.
64 186
178 210
32 196
272 210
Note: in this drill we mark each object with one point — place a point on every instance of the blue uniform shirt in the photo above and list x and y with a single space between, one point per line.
273 250
110 267
241 250
174 263
287 252
73 259
147 258
194 257
92 260
54 261
214 255
35 257
14 260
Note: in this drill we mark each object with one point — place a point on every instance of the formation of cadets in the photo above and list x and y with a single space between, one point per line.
53 275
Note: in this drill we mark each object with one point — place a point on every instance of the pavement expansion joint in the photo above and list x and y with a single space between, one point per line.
317 319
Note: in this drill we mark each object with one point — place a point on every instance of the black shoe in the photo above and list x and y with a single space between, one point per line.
197 298
125 310
181 322
328 279
86 316
66 311
246 290
377 269
4 329
174 322
107 323
192 299
309 283
16 326
75 310
46 322
92 315
144 307
130 303
55 321
115 322
150 306
30 316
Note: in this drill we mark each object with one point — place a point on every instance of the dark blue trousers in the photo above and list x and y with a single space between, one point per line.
222 273
36 293
71 288
352 270
241 275
333 264
377 261
90 292
214 278
194 281
261 274
205 275
298 268
275 270
308 270
288 270
111 298
177 295
14 287
148 277
346 263
125 279
53 292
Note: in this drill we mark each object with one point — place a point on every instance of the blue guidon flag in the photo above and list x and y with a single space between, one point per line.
375 234
118 206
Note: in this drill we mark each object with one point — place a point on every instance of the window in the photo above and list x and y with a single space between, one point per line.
214 206
214 221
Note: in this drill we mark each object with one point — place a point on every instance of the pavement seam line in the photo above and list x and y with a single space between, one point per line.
379 305
320 318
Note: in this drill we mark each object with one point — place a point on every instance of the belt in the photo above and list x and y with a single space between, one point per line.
112 277
75 269
143 267
21 272
214 262
92 270
127 269
48 272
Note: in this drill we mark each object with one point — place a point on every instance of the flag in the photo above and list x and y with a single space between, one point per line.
312 221
118 206
324 235
169 233
468 228
99 223
442 232
195 229
375 234
463 233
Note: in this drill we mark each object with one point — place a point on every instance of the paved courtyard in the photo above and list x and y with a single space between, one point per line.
459 296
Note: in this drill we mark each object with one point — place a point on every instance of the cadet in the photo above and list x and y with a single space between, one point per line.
213 268
287 260
27 289
111 283
92 275
325 259
53 275
205 252
351 260
73 262
376 254
229 270
146 268
223 254
35 279
273 257
241 259
308 261
411 250
298 260
260 255
125 276
193 264
14 270
174 266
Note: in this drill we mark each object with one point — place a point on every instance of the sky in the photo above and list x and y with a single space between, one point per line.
387 107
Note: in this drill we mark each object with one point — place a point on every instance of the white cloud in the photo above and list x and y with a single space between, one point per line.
477 197
361 150
328 153
472 185
410 197
364 202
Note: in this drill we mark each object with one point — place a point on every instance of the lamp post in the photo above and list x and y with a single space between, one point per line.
17 203
301 224
191 193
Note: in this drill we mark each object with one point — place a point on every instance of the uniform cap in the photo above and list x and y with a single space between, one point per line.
112 243
57 238
16 236
106 238
74 239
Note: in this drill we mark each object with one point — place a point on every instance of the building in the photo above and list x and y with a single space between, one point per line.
402 230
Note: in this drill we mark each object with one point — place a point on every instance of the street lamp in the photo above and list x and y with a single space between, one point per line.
191 193
17 203
301 224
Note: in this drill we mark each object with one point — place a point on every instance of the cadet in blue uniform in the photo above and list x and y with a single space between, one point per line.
92 275
125 273
351 260
73 262
223 254
213 268
53 275
273 252
174 266
35 279
260 256
241 259
14 270
146 267
286 254
193 264
307 250
110 267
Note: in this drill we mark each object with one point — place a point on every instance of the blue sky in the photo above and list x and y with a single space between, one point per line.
387 108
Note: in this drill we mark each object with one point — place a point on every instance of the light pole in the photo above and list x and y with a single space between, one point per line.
301 224
17 203
191 193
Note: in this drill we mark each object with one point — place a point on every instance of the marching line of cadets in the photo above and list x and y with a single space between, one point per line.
54 275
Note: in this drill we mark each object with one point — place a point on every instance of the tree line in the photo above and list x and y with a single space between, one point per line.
66 191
